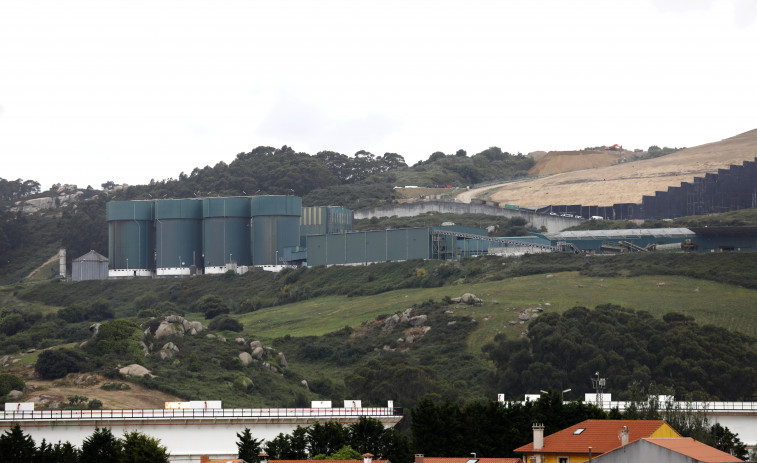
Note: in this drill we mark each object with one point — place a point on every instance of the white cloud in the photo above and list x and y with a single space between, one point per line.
129 91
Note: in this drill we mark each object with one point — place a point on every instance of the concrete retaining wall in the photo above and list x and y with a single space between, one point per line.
552 223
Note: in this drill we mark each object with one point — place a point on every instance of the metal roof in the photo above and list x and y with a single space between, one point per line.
91 256
725 231
620 233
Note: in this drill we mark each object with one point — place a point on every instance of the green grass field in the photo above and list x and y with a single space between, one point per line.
708 302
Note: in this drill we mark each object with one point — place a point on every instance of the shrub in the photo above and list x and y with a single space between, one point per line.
212 305
54 364
146 301
94 404
119 338
226 323
9 383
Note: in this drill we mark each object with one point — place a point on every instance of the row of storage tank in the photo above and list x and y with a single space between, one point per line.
174 237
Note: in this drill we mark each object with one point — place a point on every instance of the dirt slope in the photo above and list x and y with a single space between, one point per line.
628 182
134 397
556 162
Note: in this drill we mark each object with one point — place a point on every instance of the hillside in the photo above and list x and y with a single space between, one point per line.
336 328
555 162
625 182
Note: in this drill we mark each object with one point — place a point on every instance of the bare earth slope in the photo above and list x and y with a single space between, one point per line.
556 162
628 182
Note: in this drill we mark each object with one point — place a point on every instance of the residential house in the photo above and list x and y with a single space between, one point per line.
589 438
666 450
207 459
422 459
367 458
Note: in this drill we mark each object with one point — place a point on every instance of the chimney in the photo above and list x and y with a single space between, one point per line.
367 458
624 435
204 459
263 457
538 436
418 458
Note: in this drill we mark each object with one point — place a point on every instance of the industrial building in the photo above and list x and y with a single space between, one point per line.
184 237
701 239
90 266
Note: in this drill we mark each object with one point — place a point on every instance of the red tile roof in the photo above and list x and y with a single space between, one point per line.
464 460
693 449
327 461
601 435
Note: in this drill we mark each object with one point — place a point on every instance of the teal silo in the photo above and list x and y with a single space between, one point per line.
131 238
178 234
275 226
225 232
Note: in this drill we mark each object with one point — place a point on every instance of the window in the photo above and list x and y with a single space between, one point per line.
563 459
579 431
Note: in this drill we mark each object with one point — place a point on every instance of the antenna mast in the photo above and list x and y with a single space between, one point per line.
598 384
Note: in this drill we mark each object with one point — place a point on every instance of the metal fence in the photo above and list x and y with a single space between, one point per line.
197 413
736 407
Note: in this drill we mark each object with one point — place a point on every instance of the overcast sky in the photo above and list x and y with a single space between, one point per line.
128 91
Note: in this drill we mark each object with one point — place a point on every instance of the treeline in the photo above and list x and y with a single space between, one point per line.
696 362
14 190
267 170
326 441
102 445
330 178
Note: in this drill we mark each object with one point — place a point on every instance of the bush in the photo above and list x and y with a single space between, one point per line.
94 404
226 323
54 364
96 310
120 338
212 305
9 383
146 301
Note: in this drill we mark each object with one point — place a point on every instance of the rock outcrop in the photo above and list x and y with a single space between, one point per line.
134 370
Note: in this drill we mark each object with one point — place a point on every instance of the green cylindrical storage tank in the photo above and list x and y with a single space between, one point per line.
131 238
178 236
275 226
225 233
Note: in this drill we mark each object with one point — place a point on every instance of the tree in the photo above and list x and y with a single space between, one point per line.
101 446
58 453
429 428
16 446
248 446
461 153
344 453
366 435
727 441
326 438
436 155
140 448
288 447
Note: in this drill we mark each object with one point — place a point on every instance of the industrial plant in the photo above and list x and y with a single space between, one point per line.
185 237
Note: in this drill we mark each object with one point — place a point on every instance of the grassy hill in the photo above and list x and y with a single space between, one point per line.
331 324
